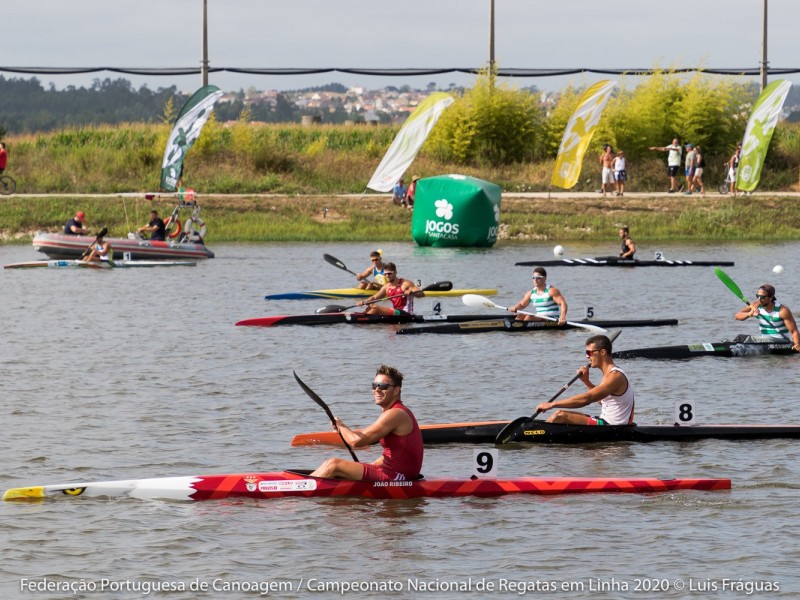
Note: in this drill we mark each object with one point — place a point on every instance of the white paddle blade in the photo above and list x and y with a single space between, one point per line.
477 301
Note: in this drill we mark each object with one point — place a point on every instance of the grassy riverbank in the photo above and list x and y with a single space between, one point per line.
373 218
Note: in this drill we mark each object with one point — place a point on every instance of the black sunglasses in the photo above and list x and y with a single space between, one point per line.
381 386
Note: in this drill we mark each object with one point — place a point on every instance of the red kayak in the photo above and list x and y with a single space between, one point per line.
286 484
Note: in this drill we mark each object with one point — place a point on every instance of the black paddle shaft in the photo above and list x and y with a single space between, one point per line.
312 394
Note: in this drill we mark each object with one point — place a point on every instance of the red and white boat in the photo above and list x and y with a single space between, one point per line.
288 484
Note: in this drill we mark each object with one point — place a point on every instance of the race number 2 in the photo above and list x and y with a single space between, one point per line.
684 412
484 463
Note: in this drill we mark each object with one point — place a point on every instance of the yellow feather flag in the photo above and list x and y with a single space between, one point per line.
578 134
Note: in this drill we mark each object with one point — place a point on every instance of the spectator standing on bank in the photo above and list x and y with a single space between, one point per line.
733 168
620 172
673 163
607 173
689 167
699 165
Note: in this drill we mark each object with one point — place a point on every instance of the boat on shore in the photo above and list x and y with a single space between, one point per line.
104 264
358 293
512 325
289 484
356 318
615 261
183 240
741 345
541 432
60 246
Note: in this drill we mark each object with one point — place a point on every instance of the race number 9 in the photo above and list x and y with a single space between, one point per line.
684 412
484 463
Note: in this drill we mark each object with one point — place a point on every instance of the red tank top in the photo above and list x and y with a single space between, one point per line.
401 302
402 454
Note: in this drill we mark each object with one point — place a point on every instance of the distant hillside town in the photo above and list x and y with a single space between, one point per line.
333 103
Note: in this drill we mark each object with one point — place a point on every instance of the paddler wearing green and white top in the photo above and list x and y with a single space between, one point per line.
547 300
775 319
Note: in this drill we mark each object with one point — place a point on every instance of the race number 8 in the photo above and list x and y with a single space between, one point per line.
484 463
684 412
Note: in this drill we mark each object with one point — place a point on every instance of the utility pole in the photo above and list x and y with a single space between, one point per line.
491 37
764 63
204 63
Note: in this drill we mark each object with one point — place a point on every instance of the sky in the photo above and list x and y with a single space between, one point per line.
534 34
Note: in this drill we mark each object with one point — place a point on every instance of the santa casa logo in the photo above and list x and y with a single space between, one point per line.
444 210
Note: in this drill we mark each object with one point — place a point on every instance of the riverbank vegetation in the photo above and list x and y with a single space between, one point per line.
494 132
375 219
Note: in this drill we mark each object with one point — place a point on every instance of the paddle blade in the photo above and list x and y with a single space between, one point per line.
331 308
730 284
438 286
102 233
312 394
512 432
477 301
332 260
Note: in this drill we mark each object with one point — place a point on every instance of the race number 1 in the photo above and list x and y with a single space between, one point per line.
484 463
684 412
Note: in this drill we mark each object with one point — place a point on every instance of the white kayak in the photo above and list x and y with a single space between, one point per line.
117 264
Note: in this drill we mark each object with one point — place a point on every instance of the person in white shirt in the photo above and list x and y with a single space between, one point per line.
673 163
614 392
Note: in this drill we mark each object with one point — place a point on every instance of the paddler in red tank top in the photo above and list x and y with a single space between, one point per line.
400 291
396 429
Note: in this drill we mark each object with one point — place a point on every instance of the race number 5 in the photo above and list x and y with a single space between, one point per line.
484 463
684 412
588 312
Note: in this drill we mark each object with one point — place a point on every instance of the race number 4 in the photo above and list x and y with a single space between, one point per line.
684 412
484 463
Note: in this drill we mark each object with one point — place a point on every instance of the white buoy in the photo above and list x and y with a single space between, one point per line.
777 269
558 251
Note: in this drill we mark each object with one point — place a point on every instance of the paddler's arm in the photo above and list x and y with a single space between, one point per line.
791 325
412 289
751 310
376 296
559 299
613 383
526 299
390 421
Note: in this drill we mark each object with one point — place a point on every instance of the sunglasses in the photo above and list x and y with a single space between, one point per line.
590 352
374 259
388 272
381 386
537 277
760 296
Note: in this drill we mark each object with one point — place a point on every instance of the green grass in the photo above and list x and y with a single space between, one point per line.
355 219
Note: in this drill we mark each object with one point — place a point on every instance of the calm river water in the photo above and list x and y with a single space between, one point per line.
141 373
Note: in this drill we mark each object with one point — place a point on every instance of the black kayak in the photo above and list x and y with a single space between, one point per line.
511 325
614 261
541 432
357 318
742 345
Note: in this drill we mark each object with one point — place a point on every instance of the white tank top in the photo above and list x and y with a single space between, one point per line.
618 410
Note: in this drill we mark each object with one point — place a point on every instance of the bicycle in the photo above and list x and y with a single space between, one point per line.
725 186
7 185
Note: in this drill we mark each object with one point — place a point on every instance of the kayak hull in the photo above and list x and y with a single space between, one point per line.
60 246
511 325
737 348
357 294
613 261
541 432
356 318
287 484
118 264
